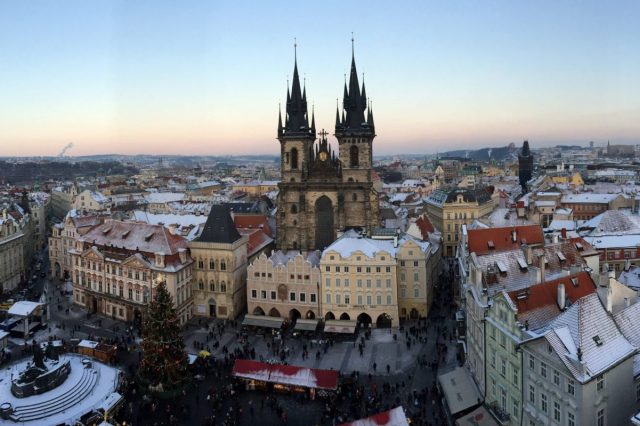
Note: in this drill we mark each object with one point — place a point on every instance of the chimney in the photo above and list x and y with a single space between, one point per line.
627 302
554 238
542 267
564 233
514 236
395 241
561 297
528 253
579 354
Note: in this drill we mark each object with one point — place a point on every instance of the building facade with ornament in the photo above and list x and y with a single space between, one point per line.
116 266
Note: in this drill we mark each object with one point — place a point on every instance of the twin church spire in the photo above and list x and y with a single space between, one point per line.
357 115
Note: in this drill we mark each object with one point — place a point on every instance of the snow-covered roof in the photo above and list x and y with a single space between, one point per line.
559 224
588 326
282 258
545 203
613 222
351 242
88 344
628 321
614 241
631 278
589 198
163 197
23 308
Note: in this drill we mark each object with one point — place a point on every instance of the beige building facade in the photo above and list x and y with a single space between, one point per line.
377 281
285 284
448 211
117 265
12 264
220 272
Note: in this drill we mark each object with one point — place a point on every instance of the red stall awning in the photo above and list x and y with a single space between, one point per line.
286 374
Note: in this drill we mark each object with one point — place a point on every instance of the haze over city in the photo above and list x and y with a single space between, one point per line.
207 77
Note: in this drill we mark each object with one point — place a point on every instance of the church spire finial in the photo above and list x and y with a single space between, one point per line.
295 50
353 49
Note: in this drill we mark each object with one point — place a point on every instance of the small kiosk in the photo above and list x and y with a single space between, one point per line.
25 318
97 350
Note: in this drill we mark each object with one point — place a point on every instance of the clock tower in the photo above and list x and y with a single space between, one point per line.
321 193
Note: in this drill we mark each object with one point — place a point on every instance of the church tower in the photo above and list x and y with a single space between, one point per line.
321 193
296 137
355 129
525 166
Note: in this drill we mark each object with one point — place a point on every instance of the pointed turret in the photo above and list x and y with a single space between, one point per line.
297 119
313 121
279 121
370 118
354 101
338 123
363 100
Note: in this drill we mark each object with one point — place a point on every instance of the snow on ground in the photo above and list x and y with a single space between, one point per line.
106 384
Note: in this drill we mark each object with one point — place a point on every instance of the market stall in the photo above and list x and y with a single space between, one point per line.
100 351
306 325
393 417
262 321
285 378
340 326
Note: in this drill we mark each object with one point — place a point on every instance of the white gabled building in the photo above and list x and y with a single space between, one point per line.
580 371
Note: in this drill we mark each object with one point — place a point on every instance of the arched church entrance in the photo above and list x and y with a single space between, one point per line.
324 222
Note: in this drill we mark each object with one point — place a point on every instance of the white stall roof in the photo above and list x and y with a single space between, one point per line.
23 308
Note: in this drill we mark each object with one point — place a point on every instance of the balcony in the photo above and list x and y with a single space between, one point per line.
501 416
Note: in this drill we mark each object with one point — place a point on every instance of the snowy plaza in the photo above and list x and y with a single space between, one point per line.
88 386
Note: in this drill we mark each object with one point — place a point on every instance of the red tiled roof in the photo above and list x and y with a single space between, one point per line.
257 240
502 239
546 294
425 226
252 221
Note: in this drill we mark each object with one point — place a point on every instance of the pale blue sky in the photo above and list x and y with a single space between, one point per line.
189 77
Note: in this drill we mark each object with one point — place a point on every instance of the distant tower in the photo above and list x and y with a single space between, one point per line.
525 165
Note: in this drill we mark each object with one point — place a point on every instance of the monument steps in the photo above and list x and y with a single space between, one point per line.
60 403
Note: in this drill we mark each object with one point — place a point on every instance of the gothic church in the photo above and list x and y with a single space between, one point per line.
322 192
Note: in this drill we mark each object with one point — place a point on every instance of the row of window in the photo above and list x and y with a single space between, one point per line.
301 297
213 286
112 269
359 282
367 269
299 277
557 377
457 216
213 264
339 300
555 409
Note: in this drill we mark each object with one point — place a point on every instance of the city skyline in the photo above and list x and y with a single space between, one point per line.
197 78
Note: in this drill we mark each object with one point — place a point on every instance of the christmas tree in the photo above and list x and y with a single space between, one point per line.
164 364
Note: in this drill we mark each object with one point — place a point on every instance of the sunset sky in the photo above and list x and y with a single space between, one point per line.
205 77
